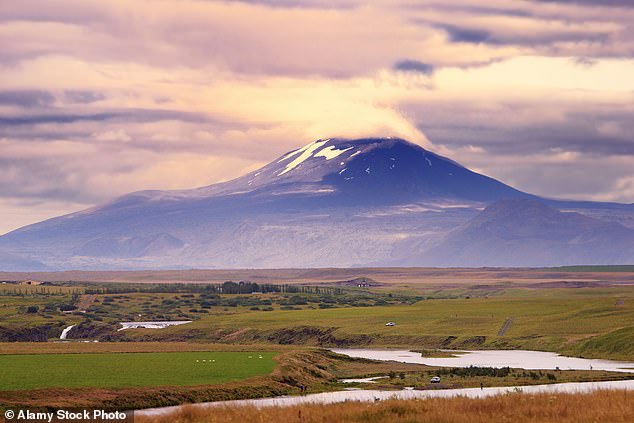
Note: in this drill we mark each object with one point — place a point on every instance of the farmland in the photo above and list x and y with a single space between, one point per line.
111 370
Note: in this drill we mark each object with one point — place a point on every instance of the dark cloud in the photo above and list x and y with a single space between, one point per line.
566 151
26 98
598 3
600 132
122 115
408 65
58 177
83 96
303 4
466 35
56 118
464 8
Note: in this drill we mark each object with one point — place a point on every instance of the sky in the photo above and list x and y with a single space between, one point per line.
101 98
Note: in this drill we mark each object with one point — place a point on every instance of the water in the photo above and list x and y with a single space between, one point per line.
364 380
518 359
151 325
65 331
374 395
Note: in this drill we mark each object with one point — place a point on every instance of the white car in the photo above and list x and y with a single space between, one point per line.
390 324
435 379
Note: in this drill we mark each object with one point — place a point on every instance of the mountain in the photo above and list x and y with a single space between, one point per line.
333 202
527 232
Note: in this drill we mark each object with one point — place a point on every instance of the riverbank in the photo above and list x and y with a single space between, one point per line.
604 406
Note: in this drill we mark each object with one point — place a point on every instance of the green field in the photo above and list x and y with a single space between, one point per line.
589 314
562 320
581 314
18 372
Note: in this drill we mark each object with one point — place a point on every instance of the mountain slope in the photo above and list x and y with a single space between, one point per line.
526 232
333 202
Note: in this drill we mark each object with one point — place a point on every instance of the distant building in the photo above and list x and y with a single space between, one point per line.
29 282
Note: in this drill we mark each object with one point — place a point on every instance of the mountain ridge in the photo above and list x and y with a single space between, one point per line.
527 232
334 201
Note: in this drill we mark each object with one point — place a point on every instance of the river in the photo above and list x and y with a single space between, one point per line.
517 359
374 395
496 358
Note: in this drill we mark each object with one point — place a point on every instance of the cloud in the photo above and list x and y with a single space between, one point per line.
17 212
130 115
414 66
468 35
83 96
506 127
602 3
26 98
102 98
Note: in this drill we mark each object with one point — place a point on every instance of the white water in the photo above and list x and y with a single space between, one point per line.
364 380
517 359
151 325
65 331
372 395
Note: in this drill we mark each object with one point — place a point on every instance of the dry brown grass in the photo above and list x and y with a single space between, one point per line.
602 406
409 276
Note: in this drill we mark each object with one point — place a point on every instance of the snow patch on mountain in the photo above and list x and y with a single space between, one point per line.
306 154
299 150
331 152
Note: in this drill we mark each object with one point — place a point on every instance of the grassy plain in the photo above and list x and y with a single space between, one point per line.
13 348
587 313
319 370
587 321
583 312
140 380
112 370
390 275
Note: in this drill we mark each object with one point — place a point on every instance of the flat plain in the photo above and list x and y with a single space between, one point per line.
288 317
112 370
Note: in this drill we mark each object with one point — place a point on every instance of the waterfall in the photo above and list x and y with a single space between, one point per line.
65 331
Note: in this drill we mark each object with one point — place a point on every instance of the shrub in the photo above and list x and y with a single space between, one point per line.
67 307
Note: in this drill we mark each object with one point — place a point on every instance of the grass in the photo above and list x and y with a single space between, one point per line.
602 406
584 321
316 369
131 347
607 268
619 343
476 377
139 387
111 370
553 315
589 321
562 320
